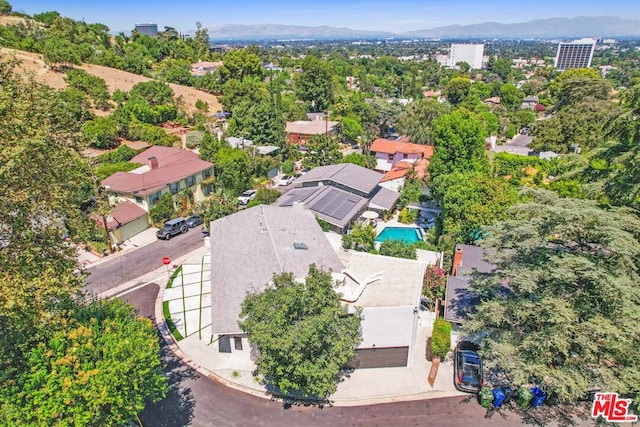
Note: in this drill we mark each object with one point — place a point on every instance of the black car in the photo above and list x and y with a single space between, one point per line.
172 228
467 367
194 221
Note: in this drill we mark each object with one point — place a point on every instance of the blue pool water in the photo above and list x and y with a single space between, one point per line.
408 234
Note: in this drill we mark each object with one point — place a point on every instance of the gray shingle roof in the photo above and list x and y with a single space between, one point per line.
351 176
459 298
249 247
384 199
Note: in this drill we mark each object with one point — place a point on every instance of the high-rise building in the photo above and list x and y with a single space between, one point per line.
469 53
575 54
147 29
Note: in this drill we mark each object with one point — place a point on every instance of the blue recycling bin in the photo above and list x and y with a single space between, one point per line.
499 397
538 397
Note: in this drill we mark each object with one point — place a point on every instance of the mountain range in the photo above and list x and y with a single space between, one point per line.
583 26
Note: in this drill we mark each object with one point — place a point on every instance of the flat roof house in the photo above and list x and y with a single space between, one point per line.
388 291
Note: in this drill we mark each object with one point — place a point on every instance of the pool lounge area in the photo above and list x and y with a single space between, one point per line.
406 234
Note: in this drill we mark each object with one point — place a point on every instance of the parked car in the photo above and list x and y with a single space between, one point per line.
172 228
246 197
285 180
194 221
467 367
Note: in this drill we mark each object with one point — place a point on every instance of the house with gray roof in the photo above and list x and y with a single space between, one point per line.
338 194
247 249
459 299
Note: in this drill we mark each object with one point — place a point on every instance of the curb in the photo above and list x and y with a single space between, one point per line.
174 346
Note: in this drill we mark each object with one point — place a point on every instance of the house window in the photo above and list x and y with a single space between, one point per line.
139 200
155 198
191 181
208 189
405 155
237 343
390 157
174 187
206 174
224 344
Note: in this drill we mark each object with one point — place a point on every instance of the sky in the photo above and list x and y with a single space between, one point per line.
379 15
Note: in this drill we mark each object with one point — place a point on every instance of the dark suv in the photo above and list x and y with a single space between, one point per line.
172 228
467 367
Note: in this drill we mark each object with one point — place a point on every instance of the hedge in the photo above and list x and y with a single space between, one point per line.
441 338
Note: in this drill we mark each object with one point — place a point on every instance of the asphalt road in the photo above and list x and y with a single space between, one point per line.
129 265
195 400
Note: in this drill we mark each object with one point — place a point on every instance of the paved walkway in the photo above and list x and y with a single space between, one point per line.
190 308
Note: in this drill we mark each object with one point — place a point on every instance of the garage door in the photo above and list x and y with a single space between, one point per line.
136 226
380 357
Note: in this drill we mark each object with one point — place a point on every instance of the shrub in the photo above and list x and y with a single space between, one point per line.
109 169
441 338
287 167
347 241
193 138
398 249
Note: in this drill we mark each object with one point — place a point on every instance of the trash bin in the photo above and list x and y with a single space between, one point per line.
498 397
524 397
508 392
538 397
485 397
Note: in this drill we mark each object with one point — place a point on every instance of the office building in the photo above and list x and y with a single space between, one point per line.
469 53
575 54
147 29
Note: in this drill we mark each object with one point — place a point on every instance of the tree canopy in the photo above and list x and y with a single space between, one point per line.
561 308
304 335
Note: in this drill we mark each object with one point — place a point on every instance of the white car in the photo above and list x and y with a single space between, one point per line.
246 197
285 180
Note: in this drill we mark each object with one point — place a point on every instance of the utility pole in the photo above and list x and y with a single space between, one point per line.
104 218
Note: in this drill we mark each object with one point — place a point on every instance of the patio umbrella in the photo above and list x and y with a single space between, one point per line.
370 214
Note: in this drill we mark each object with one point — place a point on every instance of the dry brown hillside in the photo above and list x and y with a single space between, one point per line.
115 79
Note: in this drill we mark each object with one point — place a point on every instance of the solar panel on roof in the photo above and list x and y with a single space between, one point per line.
335 204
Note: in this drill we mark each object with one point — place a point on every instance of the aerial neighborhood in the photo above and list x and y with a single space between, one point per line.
421 219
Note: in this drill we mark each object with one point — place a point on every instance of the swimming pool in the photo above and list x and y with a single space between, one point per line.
408 234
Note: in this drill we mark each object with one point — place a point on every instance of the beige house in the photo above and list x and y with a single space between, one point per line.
164 170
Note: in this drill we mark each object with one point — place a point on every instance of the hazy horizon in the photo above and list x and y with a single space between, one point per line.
371 15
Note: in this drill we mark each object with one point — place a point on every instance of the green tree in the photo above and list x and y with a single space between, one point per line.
153 93
457 90
5 7
470 201
560 309
416 120
358 159
315 83
101 358
209 146
239 64
232 170
164 210
363 236
459 141
304 334
101 132
501 67
60 53
511 97
323 150
398 249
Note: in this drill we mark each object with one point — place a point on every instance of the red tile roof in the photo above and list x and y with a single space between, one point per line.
402 145
174 164
401 169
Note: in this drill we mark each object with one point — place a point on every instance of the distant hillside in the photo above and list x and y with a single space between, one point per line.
288 32
603 26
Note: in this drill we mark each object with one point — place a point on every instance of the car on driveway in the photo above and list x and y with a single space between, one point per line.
246 197
285 180
172 228
467 367
194 221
